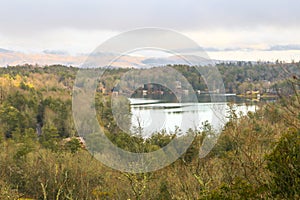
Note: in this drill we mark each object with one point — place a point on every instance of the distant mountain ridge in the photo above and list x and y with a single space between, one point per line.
5 51
49 57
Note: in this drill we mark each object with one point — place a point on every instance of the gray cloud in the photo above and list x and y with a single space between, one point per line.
162 61
211 49
214 49
32 16
284 47
55 52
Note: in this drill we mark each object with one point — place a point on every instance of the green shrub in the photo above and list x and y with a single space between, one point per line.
284 163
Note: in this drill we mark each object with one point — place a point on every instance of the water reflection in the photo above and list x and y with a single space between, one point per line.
152 115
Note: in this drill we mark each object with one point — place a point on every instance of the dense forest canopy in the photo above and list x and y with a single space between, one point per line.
42 157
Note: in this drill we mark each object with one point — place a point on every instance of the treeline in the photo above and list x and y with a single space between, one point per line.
267 78
256 157
240 78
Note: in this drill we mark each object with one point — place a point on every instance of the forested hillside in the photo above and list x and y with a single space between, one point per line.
41 156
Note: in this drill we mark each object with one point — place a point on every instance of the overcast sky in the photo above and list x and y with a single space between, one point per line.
252 29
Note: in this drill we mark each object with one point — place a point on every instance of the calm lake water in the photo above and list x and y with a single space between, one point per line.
154 115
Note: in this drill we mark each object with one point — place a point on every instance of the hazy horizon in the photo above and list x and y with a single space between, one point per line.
65 32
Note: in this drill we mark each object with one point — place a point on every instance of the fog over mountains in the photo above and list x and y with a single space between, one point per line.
211 54
49 57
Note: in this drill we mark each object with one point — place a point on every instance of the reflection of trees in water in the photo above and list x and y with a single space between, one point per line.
168 97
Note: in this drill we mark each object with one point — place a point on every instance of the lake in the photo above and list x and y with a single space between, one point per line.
152 115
